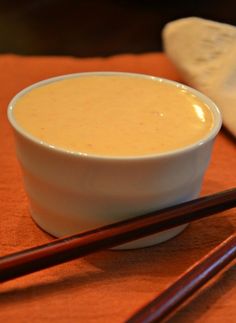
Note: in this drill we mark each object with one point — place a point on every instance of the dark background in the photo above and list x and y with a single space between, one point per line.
97 28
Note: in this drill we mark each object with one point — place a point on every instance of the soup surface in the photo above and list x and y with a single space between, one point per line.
113 115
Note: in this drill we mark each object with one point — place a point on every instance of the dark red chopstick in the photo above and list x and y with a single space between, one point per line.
79 245
168 302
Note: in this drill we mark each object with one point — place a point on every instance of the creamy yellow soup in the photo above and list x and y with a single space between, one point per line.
113 115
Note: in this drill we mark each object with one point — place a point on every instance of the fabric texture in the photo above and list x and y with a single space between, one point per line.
110 285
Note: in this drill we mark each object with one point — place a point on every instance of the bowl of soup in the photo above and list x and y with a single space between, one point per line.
100 147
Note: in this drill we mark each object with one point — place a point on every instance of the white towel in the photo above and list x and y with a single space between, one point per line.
204 52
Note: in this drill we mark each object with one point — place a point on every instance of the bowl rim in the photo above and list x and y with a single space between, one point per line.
207 138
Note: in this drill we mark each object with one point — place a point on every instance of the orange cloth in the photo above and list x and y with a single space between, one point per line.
108 286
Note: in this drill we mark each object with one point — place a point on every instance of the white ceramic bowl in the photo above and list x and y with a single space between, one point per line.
70 192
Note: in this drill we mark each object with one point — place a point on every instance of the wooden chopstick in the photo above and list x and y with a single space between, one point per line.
195 277
65 249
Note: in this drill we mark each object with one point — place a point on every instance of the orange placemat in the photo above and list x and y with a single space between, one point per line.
110 285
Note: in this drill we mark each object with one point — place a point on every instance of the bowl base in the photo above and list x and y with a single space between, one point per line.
152 239
140 243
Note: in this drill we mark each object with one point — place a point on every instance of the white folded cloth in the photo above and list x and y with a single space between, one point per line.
204 52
